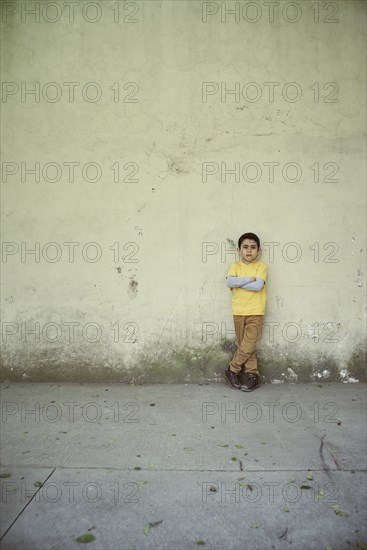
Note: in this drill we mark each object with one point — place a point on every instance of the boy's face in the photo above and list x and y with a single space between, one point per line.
248 251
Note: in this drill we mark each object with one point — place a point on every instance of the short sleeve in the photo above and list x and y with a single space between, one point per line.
262 271
232 271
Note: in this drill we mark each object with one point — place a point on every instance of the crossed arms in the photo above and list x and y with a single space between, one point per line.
247 283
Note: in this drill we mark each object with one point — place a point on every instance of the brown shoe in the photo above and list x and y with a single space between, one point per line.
232 379
252 381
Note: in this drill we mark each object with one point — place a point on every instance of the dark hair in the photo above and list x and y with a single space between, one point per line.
251 236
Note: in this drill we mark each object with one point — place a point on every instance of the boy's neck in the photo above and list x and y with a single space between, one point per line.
248 263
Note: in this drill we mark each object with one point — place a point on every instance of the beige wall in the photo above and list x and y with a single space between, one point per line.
174 210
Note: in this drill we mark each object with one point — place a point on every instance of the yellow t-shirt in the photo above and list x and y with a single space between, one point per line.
248 302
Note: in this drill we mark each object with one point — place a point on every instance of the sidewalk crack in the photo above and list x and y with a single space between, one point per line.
27 504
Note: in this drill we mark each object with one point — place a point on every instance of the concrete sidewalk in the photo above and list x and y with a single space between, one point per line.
183 466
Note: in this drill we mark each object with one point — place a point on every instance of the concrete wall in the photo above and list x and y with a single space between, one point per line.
153 209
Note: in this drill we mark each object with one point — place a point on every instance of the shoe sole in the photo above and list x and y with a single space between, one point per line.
252 389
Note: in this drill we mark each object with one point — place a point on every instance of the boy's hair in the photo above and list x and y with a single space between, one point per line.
251 236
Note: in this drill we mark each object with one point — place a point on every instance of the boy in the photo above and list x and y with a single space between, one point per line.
246 279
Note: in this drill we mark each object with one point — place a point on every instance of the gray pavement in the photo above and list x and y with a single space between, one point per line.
183 466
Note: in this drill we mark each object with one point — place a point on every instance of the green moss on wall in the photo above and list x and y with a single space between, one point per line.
164 363
357 367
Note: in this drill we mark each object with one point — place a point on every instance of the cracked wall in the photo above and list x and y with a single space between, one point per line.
121 213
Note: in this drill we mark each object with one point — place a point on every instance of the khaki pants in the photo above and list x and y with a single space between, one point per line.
248 330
